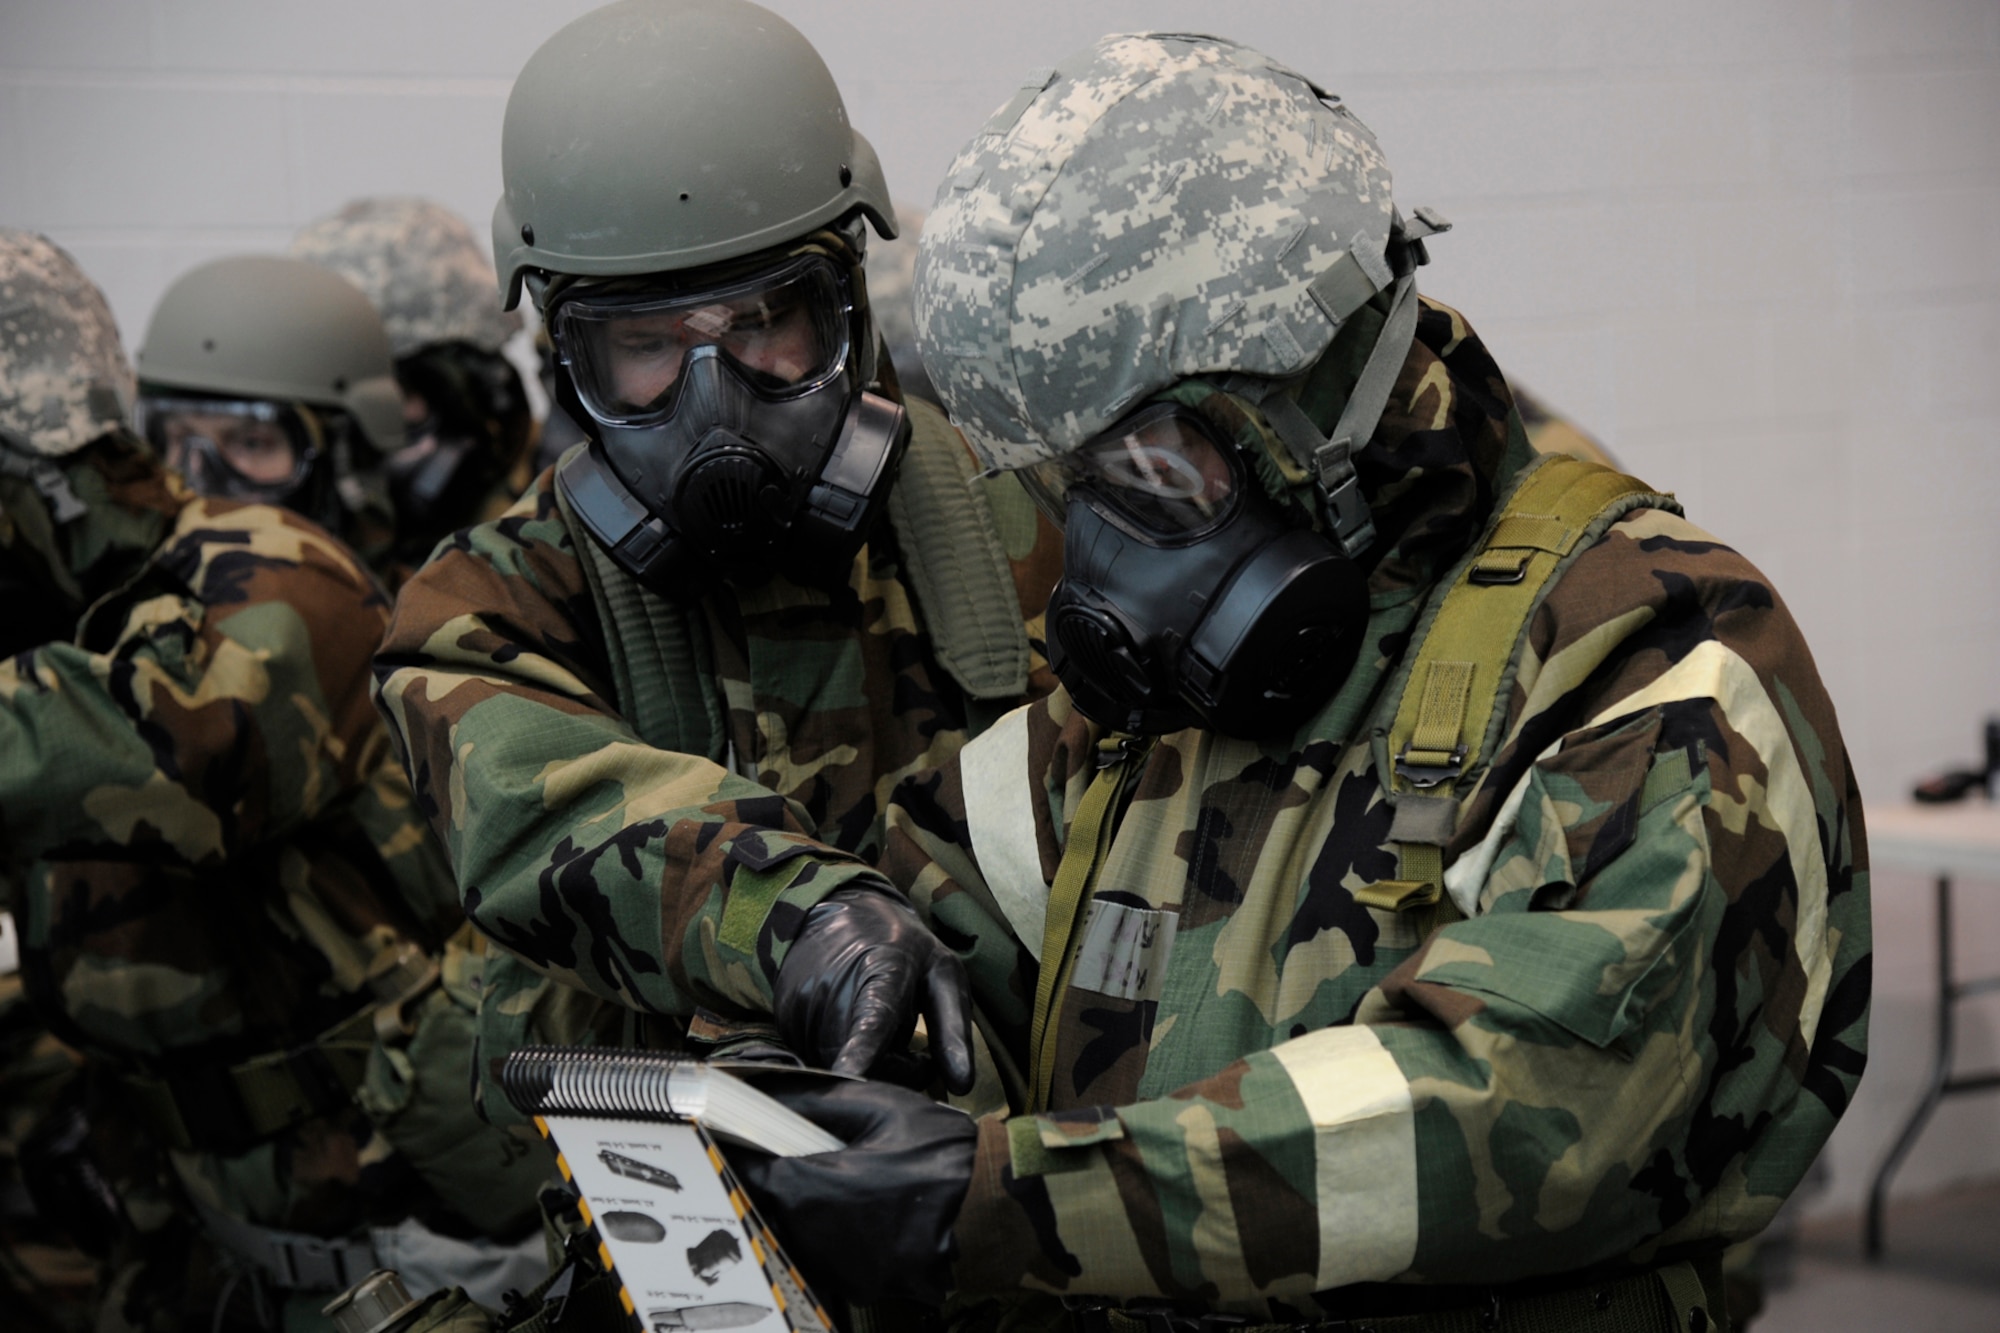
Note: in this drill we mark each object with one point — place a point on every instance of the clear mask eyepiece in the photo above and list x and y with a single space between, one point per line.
231 446
1161 472
784 330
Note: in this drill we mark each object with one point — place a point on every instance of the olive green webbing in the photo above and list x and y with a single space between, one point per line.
956 562
657 652
1451 694
1457 674
1089 842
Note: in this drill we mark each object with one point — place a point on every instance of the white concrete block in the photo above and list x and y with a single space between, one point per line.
1804 115
1814 361
1910 242
1891 30
460 38
1717 33
1534 262
1689 371
444 147
1466 141
1932 126
1675 131
13 171
76 34
1962 362
102 155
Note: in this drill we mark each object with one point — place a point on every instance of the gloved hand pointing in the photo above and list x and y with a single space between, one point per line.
872 1220
852 984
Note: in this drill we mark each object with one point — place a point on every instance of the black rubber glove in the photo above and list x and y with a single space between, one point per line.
873 1220
852 984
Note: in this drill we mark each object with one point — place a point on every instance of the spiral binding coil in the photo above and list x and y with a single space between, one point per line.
568 1080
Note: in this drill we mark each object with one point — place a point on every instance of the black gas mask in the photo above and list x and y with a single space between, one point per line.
471 423
1189 596
734 434
247 449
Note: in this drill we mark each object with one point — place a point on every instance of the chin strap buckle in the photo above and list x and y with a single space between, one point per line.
1340 496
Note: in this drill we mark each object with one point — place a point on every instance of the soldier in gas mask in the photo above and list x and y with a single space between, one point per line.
467 429
705 645
226 898
268 379
1437 897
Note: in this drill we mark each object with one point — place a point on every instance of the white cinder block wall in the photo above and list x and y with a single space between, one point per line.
1752 244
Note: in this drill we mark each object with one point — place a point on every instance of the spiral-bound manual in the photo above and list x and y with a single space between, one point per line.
637 1133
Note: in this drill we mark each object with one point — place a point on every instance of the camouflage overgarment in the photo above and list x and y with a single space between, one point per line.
1264 1089
209 837
664 882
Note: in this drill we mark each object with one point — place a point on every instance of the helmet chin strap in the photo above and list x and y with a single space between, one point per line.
48 480
1329 459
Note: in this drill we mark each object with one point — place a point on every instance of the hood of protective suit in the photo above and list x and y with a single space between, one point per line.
53 569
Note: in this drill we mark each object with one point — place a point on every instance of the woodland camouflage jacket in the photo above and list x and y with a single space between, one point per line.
207 834
666 878
1265 1089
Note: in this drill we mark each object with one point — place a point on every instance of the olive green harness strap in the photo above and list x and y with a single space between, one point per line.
1450 700
1089 842
956 562
657 652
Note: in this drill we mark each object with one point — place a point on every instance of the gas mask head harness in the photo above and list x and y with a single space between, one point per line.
248 448
735 433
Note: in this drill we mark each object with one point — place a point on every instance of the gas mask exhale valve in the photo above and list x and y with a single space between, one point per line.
1186 597
734 435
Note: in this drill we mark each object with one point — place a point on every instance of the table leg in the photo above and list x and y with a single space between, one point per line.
1878 1191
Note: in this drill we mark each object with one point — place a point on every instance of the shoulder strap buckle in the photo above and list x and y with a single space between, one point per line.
1431 768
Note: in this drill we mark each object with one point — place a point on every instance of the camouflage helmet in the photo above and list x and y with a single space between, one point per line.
64 380
422 267
655 135
277 328
1159 206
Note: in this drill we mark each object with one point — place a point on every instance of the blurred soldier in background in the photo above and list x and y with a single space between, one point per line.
1437 898
892 268
468 431
266 378
716 636
225 898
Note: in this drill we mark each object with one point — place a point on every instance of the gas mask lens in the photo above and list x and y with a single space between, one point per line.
1161 470
233 445
784 330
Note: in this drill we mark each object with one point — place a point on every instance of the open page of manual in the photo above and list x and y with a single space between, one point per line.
670 1218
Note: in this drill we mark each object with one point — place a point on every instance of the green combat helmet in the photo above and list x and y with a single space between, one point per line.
268 378
467 423
658 135
684 197
1173 217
